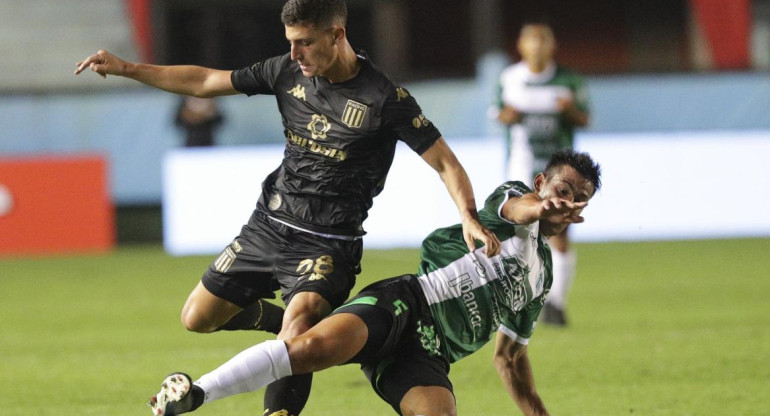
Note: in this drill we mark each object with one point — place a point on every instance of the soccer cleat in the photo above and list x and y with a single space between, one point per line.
174 396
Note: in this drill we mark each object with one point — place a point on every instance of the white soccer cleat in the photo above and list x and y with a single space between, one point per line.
174 396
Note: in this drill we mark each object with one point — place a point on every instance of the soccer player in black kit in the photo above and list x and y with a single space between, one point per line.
342 118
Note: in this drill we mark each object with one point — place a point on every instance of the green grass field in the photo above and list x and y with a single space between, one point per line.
669 328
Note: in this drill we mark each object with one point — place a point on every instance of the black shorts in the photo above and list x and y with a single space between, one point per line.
402 349
268 256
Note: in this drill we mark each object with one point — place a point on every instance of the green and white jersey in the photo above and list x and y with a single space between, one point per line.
470 295
542 130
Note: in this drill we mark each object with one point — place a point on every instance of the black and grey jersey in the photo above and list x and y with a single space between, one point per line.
340 142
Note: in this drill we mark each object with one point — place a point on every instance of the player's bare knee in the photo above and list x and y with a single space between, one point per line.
194 323
428 401
307 353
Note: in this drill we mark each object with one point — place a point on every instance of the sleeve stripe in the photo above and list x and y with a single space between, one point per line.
513 335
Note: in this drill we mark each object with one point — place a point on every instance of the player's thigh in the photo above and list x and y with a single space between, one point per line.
409 377
245 270
304 310
334 341
205 312
428 400
320 265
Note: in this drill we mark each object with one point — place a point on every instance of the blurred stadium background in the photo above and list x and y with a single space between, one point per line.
657 70
680 118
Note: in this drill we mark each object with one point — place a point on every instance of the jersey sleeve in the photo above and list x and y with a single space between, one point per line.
260 77
493 205
403 116
521 326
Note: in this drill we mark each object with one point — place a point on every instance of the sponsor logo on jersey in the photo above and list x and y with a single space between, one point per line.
316 147
420 121
318 126
465 284
353 114
275 202
298 92
401 94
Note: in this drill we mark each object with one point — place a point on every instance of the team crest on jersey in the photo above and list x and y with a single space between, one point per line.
298 92
353 114
318 126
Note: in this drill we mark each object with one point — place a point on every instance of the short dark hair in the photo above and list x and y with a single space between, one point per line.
537 19
579 161
320 13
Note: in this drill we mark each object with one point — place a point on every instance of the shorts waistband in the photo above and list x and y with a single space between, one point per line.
325 235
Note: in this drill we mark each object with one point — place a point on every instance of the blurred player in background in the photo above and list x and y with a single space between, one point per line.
542 103
405 331
342 119
198 118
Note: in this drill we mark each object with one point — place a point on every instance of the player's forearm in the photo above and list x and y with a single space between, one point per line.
516 375
577 117
530 404
523 210
441 158
179 79
459 186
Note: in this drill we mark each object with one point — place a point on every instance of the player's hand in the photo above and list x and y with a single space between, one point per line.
509 115
561 211
565 104
103 63
473 231
570 112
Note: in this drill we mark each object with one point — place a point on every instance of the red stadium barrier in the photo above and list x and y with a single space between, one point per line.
726 26
54 205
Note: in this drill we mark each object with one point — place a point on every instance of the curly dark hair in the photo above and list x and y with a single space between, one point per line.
581 162
319 13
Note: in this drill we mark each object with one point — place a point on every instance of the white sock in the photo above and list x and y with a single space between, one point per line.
250 370
564 266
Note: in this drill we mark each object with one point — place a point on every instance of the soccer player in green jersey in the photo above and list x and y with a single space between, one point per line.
541 103
405 331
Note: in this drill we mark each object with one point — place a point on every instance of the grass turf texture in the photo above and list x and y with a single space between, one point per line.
669 328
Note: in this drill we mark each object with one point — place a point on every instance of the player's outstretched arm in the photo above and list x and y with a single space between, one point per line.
441 158
531 207
512 364
179 79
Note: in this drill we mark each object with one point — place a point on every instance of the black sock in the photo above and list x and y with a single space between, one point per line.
288 394
197 397
260 315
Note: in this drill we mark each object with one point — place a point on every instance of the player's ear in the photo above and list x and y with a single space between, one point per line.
539 182
339 33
